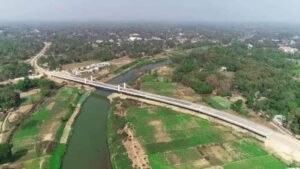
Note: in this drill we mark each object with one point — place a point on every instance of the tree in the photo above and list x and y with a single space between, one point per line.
9 98
46 86
202 88
295 125
5 153
237 105
26 84
250 101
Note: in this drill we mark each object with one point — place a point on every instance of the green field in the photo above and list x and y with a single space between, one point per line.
217 102
191 142
296 71
158 85
31 132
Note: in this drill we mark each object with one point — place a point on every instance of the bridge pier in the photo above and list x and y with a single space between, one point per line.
124 85
91 78
85 80
119 88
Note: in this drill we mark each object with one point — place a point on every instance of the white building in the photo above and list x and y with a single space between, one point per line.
287 49
134 38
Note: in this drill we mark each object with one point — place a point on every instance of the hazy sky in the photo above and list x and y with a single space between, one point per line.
151 10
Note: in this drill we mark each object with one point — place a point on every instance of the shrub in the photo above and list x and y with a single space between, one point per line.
237 106
202 88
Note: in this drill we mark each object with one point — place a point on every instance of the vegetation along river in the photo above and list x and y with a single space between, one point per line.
87 147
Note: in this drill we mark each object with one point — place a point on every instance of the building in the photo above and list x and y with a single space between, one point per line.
287 49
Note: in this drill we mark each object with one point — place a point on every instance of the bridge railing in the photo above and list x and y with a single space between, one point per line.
172 101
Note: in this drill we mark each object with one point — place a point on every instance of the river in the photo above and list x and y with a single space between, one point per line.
87 147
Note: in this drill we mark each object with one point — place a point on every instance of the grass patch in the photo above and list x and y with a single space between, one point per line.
118 156
31 99
159 161
56 157
159 86
183 143
25 137
262 162
189 137
217 102
30 127
249 148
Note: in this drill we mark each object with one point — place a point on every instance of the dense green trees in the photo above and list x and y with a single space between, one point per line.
295 125
15 48
45 85
9 98
26 84
261 75
5 153
13 70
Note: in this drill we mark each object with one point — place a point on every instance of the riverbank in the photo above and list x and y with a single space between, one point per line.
36 141
56 159
173 136
68 127
87 146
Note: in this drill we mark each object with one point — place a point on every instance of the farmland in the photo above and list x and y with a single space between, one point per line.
170 139
36 140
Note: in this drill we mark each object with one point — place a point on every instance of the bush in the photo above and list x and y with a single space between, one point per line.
295 125
202 88
237 106
224 93
250 101
9 98
5 153
26 84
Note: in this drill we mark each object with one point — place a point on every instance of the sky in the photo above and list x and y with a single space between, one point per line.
151 10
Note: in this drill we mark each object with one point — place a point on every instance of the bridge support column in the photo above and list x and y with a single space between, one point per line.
124 85
91 78
119 89
85 80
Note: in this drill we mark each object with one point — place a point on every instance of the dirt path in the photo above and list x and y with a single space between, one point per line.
134 150
30 93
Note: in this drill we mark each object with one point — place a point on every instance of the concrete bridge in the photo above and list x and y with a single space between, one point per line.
284 145
232 119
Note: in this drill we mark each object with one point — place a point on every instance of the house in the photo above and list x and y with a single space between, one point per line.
223 69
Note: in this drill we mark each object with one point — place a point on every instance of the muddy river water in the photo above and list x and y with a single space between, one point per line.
87 147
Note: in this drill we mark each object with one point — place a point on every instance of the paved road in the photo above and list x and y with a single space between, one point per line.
35 59
33 62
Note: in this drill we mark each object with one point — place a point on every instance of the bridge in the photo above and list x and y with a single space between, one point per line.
232 119
286 146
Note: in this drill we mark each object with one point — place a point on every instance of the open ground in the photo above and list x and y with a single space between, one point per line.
170 139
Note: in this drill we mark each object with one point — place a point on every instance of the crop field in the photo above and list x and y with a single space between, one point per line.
158 85
175 140
41 129
217 102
